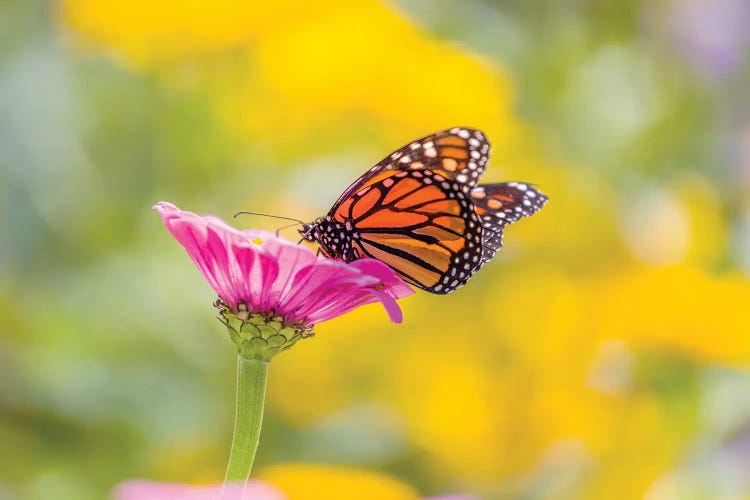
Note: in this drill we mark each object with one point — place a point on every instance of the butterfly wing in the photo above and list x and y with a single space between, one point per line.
458 154
498 205
418 222
421 212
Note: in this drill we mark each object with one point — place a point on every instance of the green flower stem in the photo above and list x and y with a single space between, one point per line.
251 395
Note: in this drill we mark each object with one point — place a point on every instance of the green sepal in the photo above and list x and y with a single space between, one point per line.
259 336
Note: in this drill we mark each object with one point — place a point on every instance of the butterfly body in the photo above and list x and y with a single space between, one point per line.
421 211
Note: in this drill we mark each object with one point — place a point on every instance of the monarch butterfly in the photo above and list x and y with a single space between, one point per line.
421 212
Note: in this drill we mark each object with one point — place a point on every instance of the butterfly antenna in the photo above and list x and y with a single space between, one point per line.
285 227
267 215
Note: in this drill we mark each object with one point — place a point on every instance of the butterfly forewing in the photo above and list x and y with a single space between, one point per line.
498 205
419 223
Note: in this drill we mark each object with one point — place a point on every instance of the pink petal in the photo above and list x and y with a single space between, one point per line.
290 259
245 256
216 256
390 305
315 284
265 273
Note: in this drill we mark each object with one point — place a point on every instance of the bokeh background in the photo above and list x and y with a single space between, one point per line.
602 354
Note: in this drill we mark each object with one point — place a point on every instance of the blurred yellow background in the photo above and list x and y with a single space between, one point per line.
601 355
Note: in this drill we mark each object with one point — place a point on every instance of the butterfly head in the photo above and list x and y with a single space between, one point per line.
332 237
308 231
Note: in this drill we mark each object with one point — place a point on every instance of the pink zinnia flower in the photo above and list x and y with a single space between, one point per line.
262 279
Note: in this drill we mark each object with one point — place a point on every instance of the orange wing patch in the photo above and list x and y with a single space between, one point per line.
424 195
435 255
362 205
441 207
344 209
387 218
451 140
454 154
375 179
401 187
408 268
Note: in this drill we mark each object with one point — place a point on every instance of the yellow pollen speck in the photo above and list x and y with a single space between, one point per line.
257 241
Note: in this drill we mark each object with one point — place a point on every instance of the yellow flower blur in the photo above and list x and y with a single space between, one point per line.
291 71
328 482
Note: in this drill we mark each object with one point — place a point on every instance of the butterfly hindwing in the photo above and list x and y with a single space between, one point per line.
459 154
498 205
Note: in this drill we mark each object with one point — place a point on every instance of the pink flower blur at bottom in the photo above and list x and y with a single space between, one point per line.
147 490
274 276
255 490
